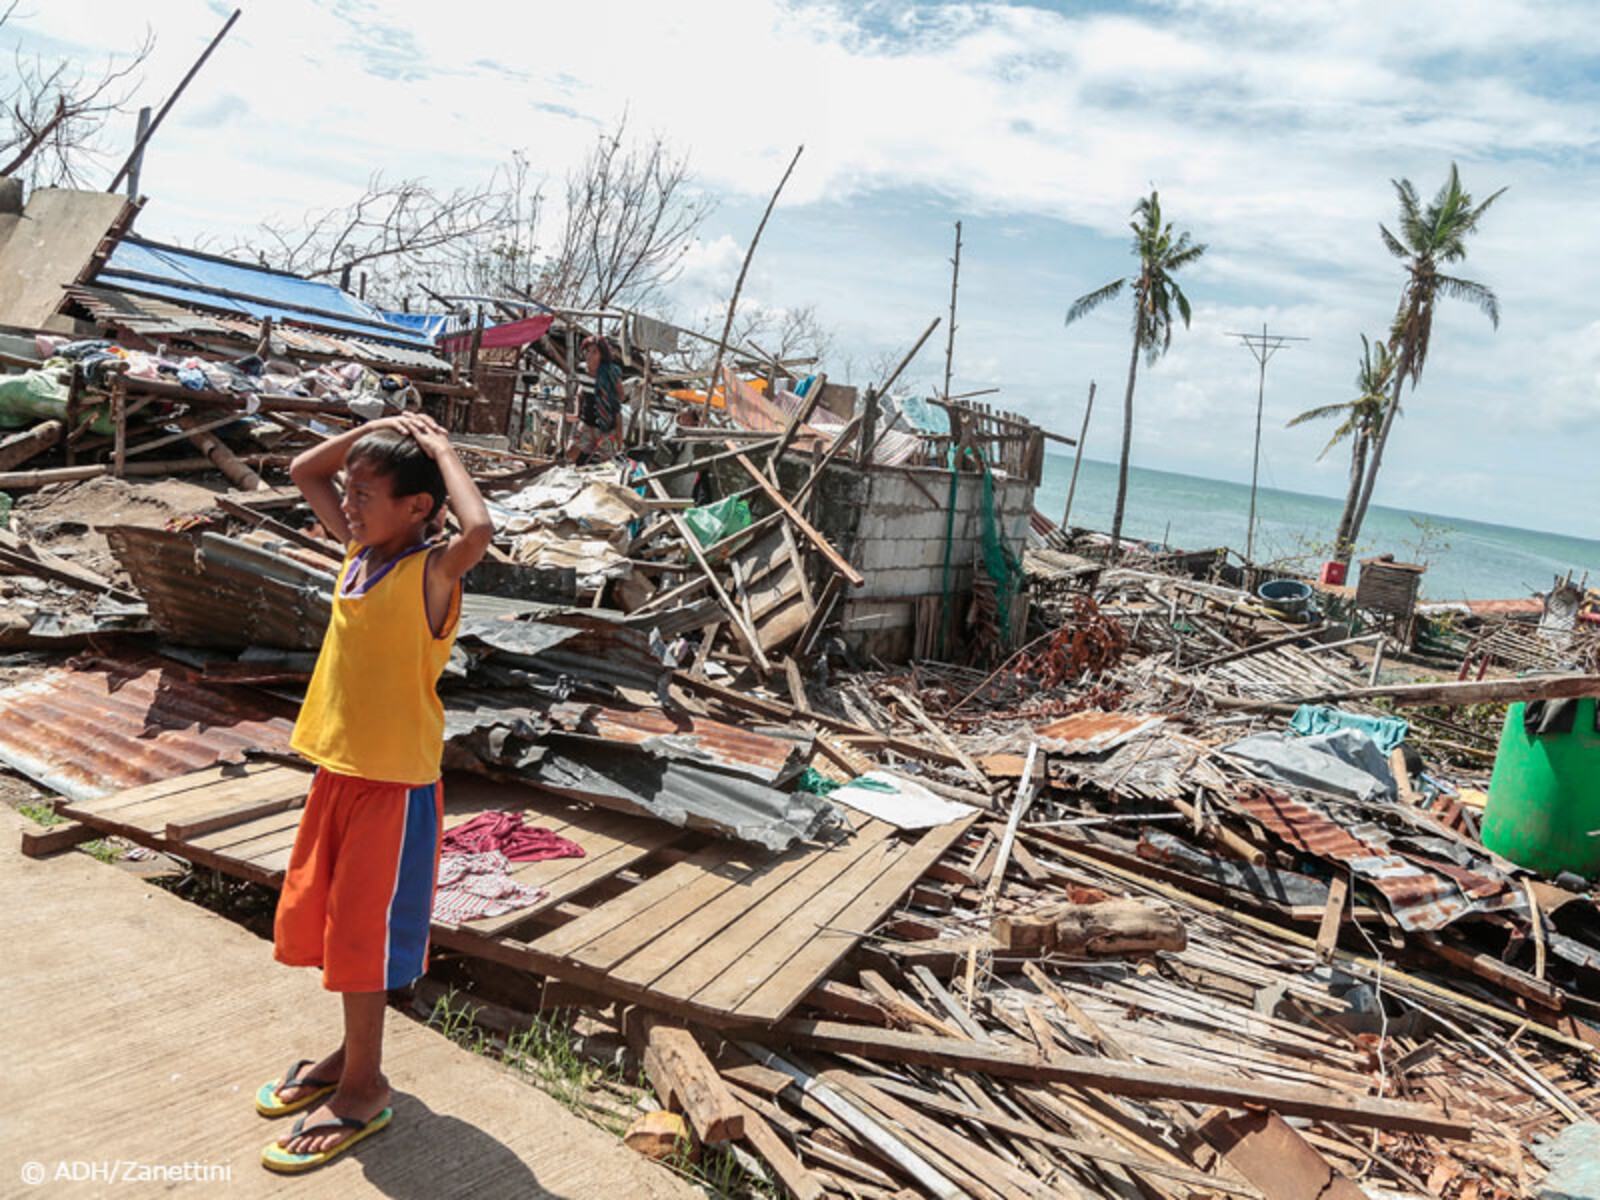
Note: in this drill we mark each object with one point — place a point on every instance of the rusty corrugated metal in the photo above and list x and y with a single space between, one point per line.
220 591
684 736
1094 731
100 726
1420 898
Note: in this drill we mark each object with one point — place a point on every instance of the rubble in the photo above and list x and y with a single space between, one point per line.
925 850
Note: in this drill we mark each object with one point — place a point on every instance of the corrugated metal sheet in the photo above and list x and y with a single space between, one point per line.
685 737
685 794
220 591
100 726
1421 899
157 319
1094 731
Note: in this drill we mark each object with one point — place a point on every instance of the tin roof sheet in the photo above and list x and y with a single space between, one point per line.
103 725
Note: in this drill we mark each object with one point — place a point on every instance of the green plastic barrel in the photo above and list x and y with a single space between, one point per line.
1544 798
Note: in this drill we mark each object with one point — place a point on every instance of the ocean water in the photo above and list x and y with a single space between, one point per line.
1466 559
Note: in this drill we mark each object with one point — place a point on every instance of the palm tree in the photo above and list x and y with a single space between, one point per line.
1160 255
1361 417
1428 237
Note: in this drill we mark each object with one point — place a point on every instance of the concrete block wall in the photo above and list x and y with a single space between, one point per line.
891 525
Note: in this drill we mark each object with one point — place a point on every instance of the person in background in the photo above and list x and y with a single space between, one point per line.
599 434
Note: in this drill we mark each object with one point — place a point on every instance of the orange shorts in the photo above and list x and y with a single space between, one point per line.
358 895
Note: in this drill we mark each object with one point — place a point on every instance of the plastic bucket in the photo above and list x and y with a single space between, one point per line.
1289 595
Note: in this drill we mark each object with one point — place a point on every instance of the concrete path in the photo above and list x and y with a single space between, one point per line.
137 1026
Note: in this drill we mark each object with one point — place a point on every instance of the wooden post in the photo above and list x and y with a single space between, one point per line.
119 421
74 396
950 334
1077 460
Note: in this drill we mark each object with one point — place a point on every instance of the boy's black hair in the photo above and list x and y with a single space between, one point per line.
409 468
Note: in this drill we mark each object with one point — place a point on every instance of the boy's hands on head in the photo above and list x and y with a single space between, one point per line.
427 433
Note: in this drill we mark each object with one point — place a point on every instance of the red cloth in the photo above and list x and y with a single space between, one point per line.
505 832
517 333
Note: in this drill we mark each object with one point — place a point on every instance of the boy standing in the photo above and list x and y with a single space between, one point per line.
358 893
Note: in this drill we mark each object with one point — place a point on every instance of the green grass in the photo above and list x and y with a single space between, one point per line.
103 849
547 1055
42 814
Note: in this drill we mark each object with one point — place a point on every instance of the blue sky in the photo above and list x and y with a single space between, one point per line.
1271 127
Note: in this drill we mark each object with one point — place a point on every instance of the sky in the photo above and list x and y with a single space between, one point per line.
1272 129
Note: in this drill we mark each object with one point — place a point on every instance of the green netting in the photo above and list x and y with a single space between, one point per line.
713 522
998 560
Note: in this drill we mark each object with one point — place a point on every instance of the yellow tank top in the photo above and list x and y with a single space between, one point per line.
373 708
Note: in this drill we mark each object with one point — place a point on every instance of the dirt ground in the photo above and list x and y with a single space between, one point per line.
64 517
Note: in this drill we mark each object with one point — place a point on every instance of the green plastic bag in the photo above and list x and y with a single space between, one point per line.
39 396
713 522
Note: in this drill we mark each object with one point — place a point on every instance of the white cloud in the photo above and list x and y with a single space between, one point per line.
1272 128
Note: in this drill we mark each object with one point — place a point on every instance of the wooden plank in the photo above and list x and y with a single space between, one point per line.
41 843
750 950
1124 1079
807 967
1332 916
1076 1146
823 546
221 773
754 897
603 937
800 1183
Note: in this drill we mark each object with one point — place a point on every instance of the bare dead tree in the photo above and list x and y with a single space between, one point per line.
630 218
54 111
400 233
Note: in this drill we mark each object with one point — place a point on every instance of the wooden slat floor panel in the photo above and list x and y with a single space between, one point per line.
730 930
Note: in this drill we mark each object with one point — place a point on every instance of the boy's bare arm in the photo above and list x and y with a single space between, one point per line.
313 473
462 552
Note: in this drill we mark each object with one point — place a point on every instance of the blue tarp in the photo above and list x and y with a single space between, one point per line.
206 281
924 417
429 325
1387 732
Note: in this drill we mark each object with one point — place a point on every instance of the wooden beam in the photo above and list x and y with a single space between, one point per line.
684 1078
1483 691
1124 1079
824 547
18 448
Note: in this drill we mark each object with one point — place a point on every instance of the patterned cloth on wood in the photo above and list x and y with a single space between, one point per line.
505 832
479 885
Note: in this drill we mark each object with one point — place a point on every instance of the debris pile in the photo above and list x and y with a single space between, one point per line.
1113 881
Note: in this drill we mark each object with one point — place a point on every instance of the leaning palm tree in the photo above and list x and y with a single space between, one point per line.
1358 420
1429 236
1160 255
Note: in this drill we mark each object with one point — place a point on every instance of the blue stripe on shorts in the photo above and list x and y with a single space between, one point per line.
411 908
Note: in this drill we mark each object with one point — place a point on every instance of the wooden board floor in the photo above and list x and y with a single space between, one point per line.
727 932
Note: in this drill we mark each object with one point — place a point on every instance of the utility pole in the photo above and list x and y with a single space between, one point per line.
950 338
1262 346
1077 460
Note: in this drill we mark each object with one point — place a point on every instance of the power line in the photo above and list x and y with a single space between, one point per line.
1262 347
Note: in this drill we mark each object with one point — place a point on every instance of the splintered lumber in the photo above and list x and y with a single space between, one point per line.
822 544
684 1078
1482 691
660 1136
746 634
869 1131
1019 809
791 1172
1268 1152
1332 917
1124 1079
1111 927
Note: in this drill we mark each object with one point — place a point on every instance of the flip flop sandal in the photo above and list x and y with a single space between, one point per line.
269 1105
275 1158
